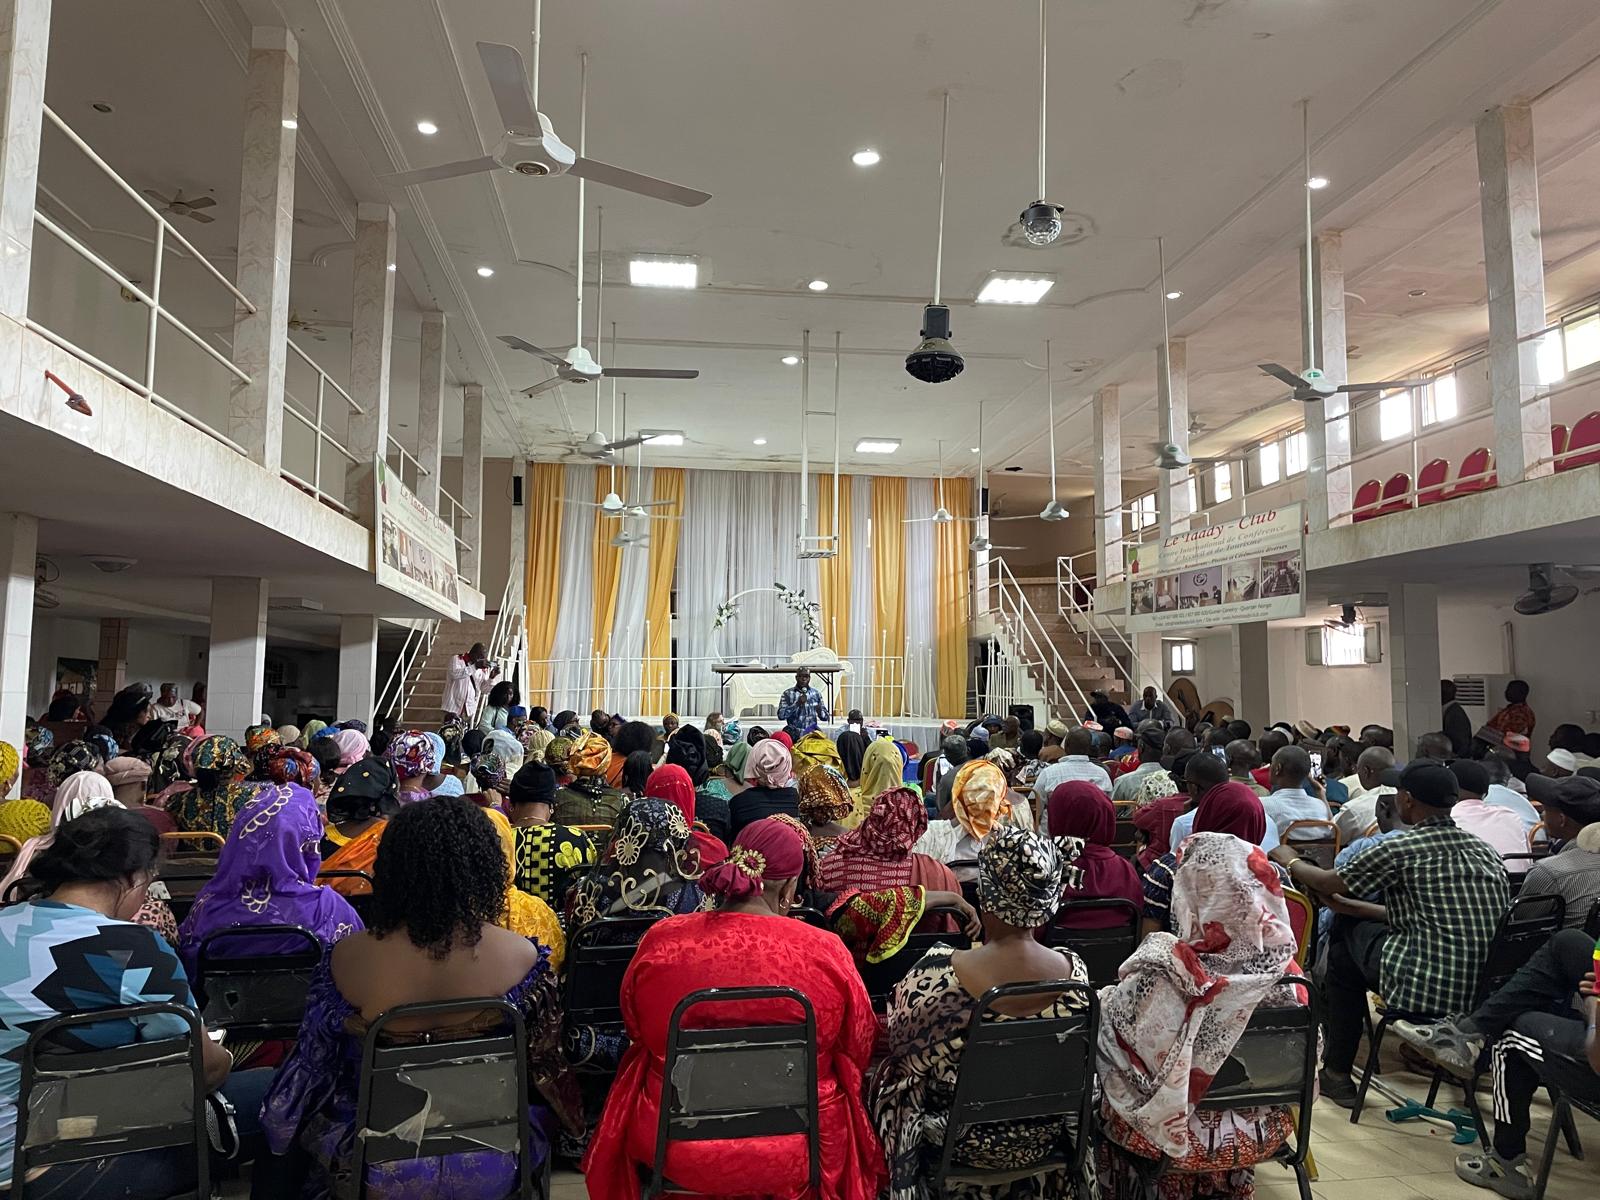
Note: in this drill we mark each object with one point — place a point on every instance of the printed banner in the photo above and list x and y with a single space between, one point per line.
416 547
1251 569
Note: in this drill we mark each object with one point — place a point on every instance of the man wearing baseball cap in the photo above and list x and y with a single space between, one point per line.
1572 819
1444 892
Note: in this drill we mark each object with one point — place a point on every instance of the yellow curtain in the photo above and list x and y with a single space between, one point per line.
607 576
542 586
834 575
888 589
951 603
657 694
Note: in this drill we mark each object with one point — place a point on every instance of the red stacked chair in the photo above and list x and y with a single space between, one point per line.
1585 437
1476 473
1558 443
1430 481
1396 496
1366 505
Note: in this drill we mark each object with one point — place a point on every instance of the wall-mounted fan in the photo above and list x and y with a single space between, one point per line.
178 206
310 328
1349 617
45 571
1544 595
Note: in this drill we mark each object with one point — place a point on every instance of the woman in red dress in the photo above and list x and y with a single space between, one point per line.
749 941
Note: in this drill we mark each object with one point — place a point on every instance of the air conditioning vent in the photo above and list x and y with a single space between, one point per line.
1472 690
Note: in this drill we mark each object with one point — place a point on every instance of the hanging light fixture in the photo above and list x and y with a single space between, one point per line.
1041 220
935 360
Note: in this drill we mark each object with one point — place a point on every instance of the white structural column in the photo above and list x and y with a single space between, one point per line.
236 662
24 47
1328 494
430 407
19 546
1172 420
358 666
1508 198
371 343
1108 484
266 243
518 559
1255 677
472 482
1414 663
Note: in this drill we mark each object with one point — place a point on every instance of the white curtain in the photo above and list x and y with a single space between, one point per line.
918 592
864 641
624 657
574 645
704 541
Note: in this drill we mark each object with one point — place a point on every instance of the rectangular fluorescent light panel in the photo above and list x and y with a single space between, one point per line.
654 270
1008 287
877 445
662 437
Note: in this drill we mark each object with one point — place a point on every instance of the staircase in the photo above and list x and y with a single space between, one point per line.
424 703
1090 666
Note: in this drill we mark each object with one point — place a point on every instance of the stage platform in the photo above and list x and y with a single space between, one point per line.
923 731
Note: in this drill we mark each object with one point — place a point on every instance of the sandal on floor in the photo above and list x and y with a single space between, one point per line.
1509 1179
1446 1041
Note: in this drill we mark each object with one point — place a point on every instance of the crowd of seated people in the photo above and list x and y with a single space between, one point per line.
470 857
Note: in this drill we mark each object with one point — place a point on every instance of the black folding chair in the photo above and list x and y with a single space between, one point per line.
256 996
598 956
1591 923
361 901
811 916
1274 1063
1527 925
969 887
441 1096
1573 1085
79 1104
881 977
1125 841
1022 1069
183 888
1103 951
728 1084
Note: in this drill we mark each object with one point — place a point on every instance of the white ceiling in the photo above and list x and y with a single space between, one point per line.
1172 117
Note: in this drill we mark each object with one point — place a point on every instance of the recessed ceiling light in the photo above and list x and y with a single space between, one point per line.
760 442
1010 287
818 285
427 128
877 445
100 106
662 437
977 449
1317 182
866 157
656 270
1416 293
1174 295
290 123
391 266
485 272
790 360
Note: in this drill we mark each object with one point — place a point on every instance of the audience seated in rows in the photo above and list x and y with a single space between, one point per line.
1082 811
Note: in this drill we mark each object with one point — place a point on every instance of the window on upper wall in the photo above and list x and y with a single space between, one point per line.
1583 342
1269 467
1142 512
1222 482
1394 416
1181 656
1439 400
1192 485
1294 453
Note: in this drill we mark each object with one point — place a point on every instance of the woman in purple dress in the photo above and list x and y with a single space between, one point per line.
439 889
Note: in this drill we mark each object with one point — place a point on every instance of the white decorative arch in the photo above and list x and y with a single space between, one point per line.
795 600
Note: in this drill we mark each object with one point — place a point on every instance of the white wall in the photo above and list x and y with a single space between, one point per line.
154 656
1555 653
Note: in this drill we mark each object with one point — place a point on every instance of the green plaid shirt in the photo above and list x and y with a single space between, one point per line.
1445 891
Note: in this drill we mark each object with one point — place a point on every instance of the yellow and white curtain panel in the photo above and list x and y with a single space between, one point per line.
629 628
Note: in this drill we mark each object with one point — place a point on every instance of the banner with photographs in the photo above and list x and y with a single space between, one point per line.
416 547
1250 569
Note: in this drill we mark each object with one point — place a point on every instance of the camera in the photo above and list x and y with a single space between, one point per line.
935 360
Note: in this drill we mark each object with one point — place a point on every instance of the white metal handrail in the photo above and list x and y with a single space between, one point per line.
406 457
1073 610
1018 617
396 691
321 434
151 299
458 512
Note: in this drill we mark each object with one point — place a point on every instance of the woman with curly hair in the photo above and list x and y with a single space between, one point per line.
433 935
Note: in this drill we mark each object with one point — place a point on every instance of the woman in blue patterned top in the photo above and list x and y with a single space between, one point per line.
73 947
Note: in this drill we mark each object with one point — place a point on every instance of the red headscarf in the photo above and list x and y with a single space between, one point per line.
672 784
1081 810
768 849
783 736
1232 808
877 853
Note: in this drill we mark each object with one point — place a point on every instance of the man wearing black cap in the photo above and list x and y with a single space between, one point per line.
1444 892
549 857
1572 819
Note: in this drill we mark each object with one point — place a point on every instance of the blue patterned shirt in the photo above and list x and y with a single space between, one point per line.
803 708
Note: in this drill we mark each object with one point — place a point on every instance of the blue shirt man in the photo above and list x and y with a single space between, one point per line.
802 705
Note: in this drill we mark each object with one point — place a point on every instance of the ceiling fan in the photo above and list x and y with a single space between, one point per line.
578 365
529 145
1311 385
982 545
1172 457
310 328
177 206
941 514
1054 510
1543 594
1349 617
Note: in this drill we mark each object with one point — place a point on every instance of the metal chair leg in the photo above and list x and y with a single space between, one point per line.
1562 1115
1303 1178
1569 1130
1433 1086
1376 1038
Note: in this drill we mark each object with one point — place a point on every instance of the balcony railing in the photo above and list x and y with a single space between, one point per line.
325 484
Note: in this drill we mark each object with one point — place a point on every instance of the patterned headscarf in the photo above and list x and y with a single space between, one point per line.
765 849
769 764
671 783
824 796
261 742
1181 1001
489 769
10 764
979 796
286 764
558 753
651 869
590 757
104 744
1157 785
898 818
24 819
170 768
1020 876
39 739
409 755
218 795
69 759
534 743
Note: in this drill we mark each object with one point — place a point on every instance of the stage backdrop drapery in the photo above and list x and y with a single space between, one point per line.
864 638
543 582
919 598
626 648
657 696
952 578
833 574
573 675
889 583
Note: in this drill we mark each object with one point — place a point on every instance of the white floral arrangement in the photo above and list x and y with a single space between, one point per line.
726 611
809 612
